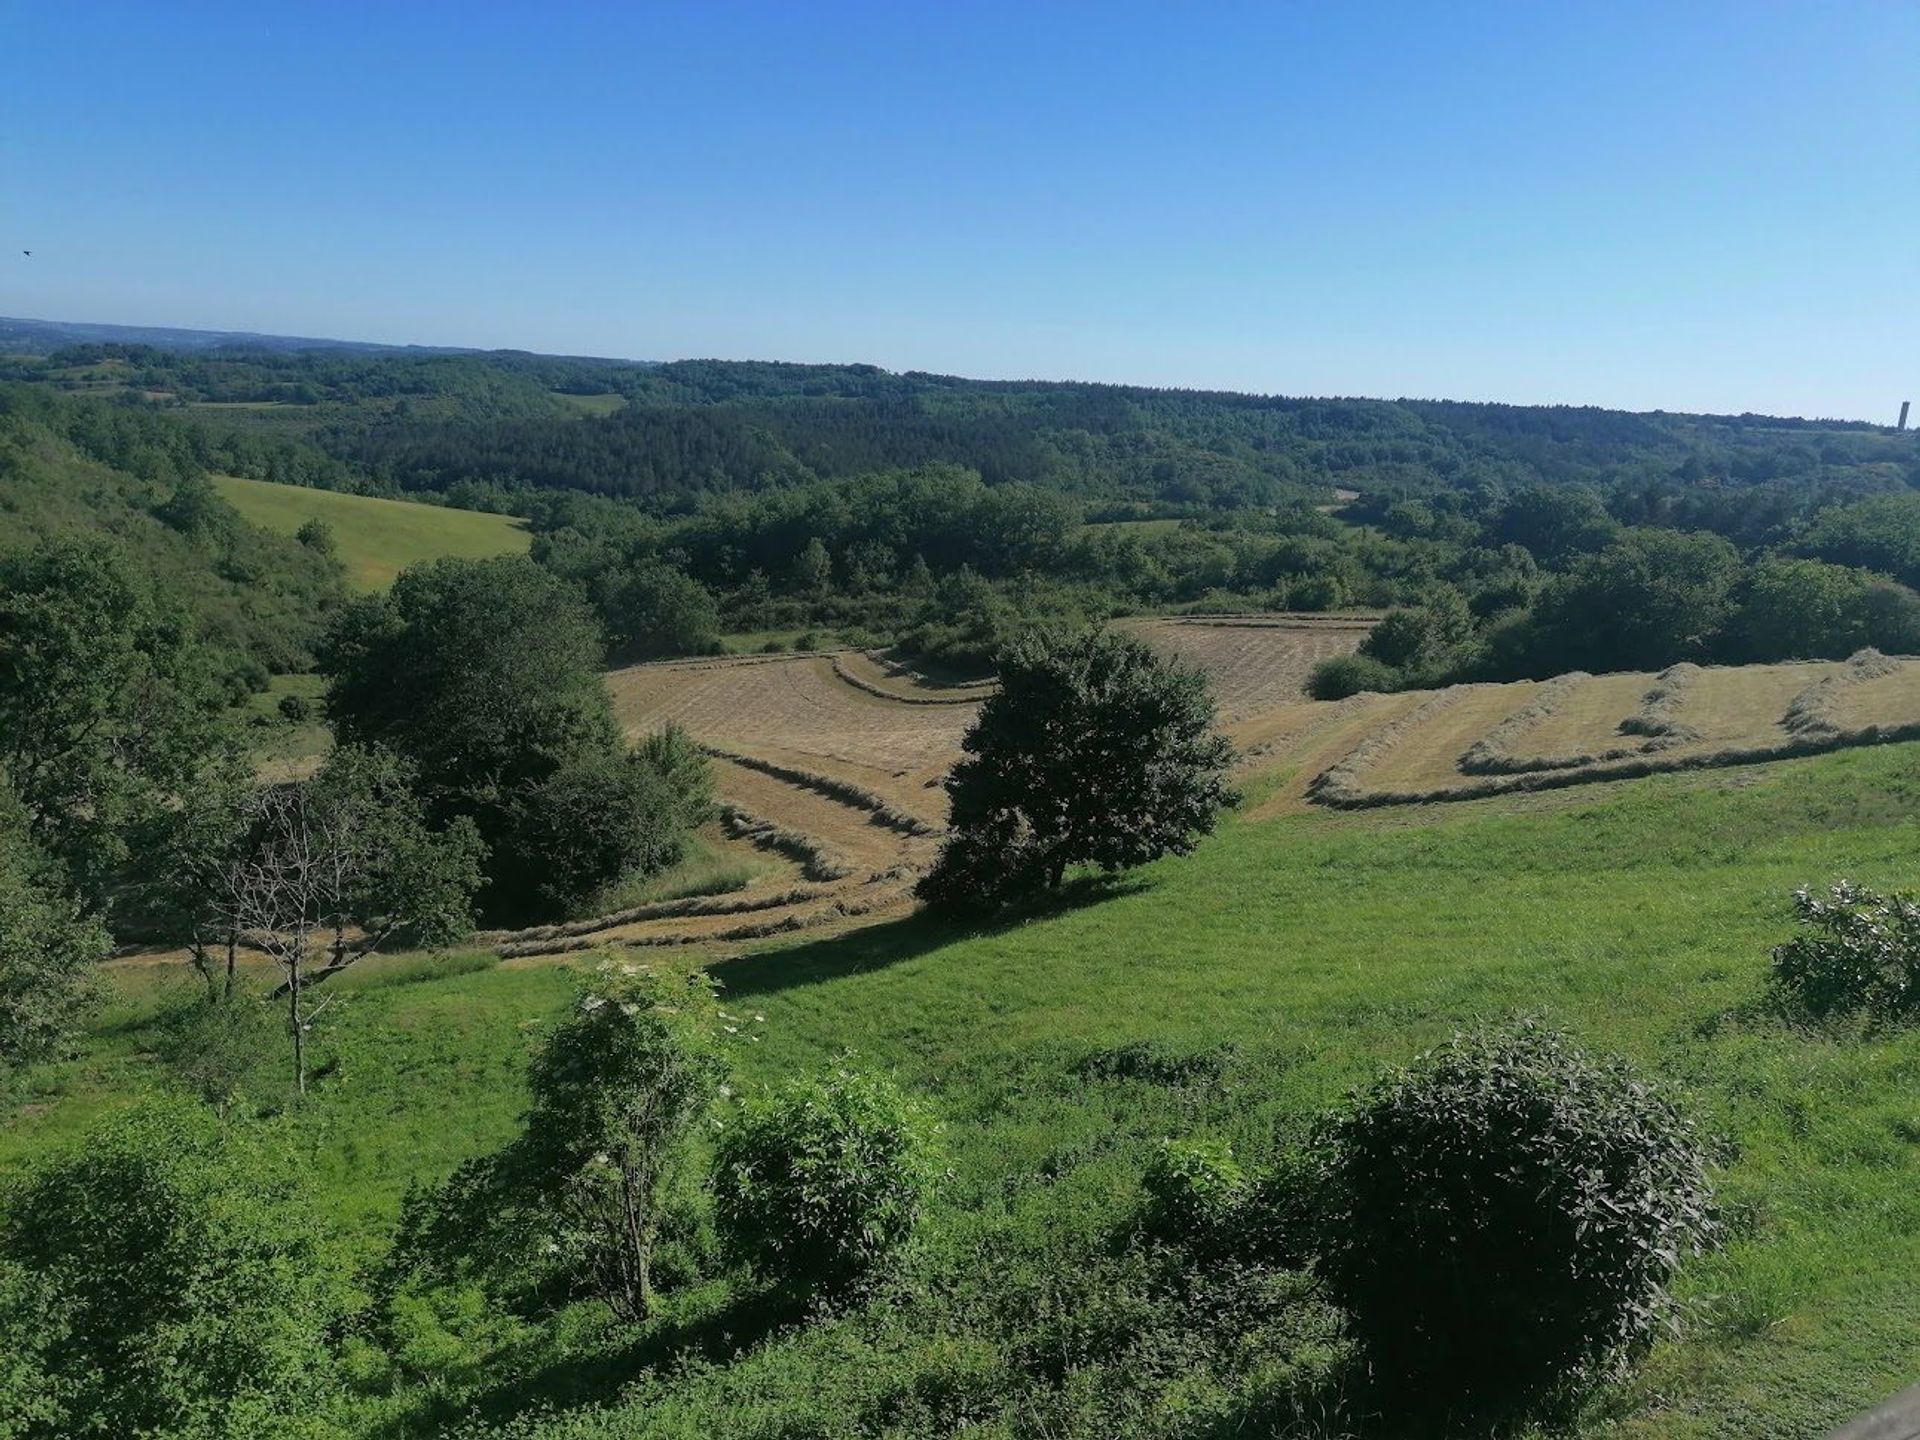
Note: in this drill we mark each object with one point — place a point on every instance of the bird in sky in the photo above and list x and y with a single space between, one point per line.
27 253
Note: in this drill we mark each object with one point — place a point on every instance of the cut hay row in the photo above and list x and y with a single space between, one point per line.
1815 710
859 682
1493 753
1353 797
1277 622
1658 715
793 920
692 905
900 669
1340 785
881 810
817 860
738 662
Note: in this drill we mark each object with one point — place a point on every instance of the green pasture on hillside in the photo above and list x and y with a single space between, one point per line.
377 538
1233 995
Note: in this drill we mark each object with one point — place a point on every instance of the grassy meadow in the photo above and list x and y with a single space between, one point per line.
1233 995
377 538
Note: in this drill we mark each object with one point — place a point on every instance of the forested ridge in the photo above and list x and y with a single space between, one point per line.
699 497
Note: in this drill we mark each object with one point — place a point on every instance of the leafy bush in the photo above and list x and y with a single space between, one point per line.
221 1049
822 1185
1346 675
1507 1214
1194 1190
47 946
163 1278
295 709
1861 951
576 1204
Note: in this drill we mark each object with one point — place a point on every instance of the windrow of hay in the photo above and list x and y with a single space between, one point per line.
1493 753
657 910
850 676
883 811
817 859
1815 710
1341 786
843 909
1353 796
1657 717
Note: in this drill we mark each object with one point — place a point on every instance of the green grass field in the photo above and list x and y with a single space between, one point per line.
1283 964
377 538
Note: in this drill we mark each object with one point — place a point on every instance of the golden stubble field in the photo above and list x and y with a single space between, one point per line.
834 761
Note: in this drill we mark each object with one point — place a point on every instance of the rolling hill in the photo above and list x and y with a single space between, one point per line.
377 538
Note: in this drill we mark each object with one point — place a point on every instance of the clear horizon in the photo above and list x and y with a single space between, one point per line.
1619 206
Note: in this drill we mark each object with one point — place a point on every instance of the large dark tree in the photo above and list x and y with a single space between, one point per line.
1095 751
106 711
48 947
483 674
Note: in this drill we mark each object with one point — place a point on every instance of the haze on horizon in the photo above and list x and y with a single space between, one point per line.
1700 209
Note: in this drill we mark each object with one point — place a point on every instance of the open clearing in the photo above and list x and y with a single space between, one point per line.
377 538
847 750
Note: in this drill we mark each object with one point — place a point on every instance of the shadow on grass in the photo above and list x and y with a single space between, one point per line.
589 1379
878 946
1351 1403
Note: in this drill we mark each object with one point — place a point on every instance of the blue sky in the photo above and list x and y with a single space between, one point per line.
1682 206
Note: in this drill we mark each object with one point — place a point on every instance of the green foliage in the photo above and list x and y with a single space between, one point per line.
317 534
1093 751
224 1050
105 710
48 947
1195 1190
165 1278
75 470
577 1202
1860 951
1811 610
1345 675
1651 598
394 873
295 709
592 821
820 1186
483 674
1881 534
1424 639
655 610
1508 1214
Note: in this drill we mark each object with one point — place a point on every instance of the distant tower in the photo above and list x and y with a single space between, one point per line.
1904 404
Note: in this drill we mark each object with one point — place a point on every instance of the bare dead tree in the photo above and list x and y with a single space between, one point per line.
277 894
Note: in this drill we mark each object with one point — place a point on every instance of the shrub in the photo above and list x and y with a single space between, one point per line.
576 1204
223 1049
295 709
1860 951
163 1278
1194 1190
1346 675
1507 1214
822 1185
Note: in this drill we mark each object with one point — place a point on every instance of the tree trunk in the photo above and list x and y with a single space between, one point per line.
233 944
637 1243
299 1029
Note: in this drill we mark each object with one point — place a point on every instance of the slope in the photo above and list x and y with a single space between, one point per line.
1232 995
377 538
